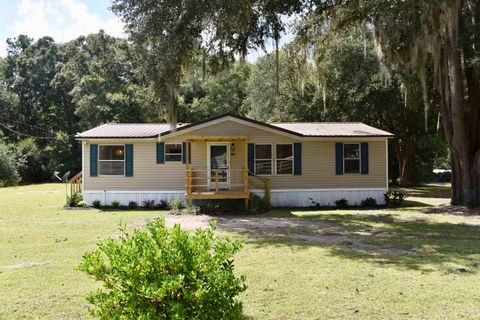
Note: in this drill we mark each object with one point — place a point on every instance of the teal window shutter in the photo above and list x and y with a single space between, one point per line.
297 158
160 152
129 160
251 157
184 152
338 158
93 160
364 157
189 152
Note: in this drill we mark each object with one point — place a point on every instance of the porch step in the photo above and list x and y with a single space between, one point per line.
218 195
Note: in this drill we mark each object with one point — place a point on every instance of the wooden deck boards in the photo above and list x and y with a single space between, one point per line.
218 195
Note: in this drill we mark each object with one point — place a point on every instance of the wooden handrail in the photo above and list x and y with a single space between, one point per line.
266 187
213 180
74 184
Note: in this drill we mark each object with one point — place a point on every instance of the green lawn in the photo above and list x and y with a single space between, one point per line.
398 263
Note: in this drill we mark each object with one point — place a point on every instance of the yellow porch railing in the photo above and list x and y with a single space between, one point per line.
74 185
262 183
235 184
219 180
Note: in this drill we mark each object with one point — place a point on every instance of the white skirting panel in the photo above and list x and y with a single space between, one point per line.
325 197
124 197
278 197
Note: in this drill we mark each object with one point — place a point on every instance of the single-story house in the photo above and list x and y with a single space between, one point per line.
228 157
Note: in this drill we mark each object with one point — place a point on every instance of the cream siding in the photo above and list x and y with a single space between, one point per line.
147 174
318 158
318 162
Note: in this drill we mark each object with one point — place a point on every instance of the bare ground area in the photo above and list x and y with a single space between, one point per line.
452 210
290 228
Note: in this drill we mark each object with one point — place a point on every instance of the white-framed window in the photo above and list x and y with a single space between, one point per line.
173 152
351 158
284 159
111 160
263 159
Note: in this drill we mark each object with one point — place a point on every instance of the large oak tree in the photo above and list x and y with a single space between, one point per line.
443 35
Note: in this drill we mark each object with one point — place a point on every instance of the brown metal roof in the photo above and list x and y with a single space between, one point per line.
302 129
333 129
126 130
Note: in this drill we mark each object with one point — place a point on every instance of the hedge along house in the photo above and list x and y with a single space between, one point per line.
229 157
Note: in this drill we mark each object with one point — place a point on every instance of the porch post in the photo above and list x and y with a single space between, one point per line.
245 172
188 172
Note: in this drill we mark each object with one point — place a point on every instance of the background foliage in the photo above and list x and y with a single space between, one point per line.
50 91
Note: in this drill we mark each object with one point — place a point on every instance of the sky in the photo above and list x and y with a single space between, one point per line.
65 20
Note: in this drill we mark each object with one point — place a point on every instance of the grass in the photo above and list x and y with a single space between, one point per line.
403 263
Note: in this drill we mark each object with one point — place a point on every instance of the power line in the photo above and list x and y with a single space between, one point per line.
31 136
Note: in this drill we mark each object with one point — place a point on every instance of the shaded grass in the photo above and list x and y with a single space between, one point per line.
287 279
429 191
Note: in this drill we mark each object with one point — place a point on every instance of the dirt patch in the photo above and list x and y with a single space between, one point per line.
188 222
22 265
301 230
452 210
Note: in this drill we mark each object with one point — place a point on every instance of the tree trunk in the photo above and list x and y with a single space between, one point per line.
204 66
463 149
277 63
172 102
405 151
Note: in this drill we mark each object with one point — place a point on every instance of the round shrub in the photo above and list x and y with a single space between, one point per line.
132 205
342 203
149 204
369 202
161 273
175 206
115 204
75 200
96 203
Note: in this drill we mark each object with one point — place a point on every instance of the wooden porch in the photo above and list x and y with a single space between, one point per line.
213 183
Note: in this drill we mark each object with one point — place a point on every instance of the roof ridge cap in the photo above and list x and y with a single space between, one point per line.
319 122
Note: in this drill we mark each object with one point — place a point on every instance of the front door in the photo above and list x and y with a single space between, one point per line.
218 166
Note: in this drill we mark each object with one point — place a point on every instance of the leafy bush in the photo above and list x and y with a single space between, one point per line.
36 163
394 198
96 203
76 200
9 175
132 205
161 273
341 203
369 202
162 205
192 209
82 204
175 206
149 204
115 204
